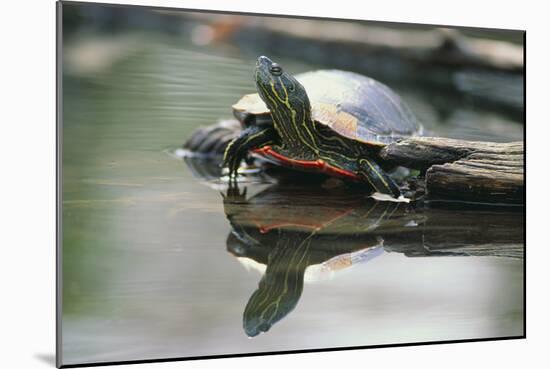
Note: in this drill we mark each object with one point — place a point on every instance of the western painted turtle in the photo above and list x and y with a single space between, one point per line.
327 120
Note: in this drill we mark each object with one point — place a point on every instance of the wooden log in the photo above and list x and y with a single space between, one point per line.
451 169
429 45
487 72
463 170
423 44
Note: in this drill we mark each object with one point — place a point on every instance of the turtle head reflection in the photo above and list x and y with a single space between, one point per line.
279 289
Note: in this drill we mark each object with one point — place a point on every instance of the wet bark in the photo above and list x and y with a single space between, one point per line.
463 170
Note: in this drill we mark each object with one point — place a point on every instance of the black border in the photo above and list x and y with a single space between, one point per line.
59 192
286 352
525 184
58 182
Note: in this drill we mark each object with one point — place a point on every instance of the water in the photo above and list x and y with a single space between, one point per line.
157 264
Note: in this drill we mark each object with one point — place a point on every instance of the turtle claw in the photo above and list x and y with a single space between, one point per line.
237 150
232 158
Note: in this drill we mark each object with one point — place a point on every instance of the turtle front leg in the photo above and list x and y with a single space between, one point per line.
377 177
251 138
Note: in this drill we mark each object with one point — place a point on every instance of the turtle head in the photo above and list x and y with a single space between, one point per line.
277 88
285 97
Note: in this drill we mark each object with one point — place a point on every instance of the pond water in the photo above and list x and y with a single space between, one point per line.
158 264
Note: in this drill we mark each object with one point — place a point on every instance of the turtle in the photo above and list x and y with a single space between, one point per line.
329 121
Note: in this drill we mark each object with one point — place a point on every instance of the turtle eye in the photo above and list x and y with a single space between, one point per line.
276 69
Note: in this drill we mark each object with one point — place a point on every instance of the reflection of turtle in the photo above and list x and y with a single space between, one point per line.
289 229
294 230
328 121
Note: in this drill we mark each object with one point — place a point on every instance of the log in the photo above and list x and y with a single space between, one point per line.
451 170
463 170
486 72
422 44
428 45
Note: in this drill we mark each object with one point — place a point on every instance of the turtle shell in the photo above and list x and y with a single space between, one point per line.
352 105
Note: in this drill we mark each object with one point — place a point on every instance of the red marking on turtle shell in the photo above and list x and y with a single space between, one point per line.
317 165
